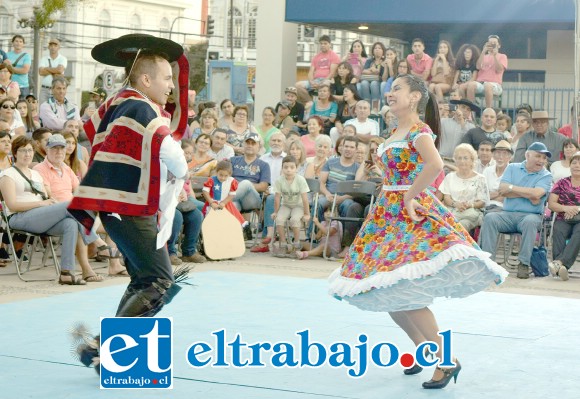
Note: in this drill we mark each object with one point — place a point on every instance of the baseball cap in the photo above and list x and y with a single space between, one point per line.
53 40
284 104
56 140
541 148
291 89
252 136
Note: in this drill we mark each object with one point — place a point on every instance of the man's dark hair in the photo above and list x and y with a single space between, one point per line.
324 38
354 139
486 142
418 39
18 37
38 133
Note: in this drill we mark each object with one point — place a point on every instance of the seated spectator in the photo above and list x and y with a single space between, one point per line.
324 107
5 143
486 132
560 169
454 129
296 108
267 128
484 156
39 139
315 127
188 218
31 210
196 122
202 163
502 152
565 201
344 77
525 187
10 87
219 149
362 150
567 130
315 164
402 69
296 149
8 114
543 134
419 62
227 119
365 127
371 81
75 128
290 203
240 129
522 126
465 192
346 111
465 67
208 124
30 125
369 169
491 65
356 58
443 70
58 109
284 121
78 166
322 67
390 121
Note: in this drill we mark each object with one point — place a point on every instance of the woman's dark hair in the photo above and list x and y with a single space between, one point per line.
363 52
241 108
224 165
353 89
450 57
28 119
271 109
72 160
337 145
204 136
460 61
38 133
186 143
566 143
350 76
382 46
427 104
404 60
224 102
20 141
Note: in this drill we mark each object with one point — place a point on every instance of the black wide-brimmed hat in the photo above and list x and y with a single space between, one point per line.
475 108
122 50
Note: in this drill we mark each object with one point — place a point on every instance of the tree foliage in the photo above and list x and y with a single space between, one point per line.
197 57
43 14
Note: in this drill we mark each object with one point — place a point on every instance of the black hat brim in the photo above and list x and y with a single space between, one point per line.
122 50
468 103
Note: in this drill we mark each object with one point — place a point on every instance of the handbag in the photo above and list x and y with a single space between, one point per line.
186 206
539 261
33 187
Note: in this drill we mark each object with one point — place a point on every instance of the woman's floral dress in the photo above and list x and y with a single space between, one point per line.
395 264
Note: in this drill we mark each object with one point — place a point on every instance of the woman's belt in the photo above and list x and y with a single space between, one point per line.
396 188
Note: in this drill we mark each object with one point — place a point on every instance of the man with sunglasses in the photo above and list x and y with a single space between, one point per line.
491 65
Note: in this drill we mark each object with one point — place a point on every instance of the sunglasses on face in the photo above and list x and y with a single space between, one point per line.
9 106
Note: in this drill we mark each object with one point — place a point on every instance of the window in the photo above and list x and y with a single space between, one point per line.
164 28
5 20
236 32
308 31
332 34
60 28
300 33
104 22
135 23
252 28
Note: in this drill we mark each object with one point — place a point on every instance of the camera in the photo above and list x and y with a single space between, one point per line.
452 107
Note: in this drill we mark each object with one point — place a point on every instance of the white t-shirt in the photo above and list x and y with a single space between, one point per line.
559 171
291 192
23 190
369 126
43 63
493 181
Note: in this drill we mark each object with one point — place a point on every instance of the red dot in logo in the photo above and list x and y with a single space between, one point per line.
407 360
154 381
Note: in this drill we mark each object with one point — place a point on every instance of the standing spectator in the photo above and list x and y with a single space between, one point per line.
219 149
561 169
420 62
322 68
491 65
541 133
466 68
525 187
453 129
50 67
9 86
486 132
58 109
567 130
372 75
502 152
443 70
18 63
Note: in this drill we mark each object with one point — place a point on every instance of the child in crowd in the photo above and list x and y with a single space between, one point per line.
334 239
290 202
503 125
219 191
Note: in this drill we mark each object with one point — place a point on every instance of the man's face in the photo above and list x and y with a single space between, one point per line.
348 149
41 144
159 84
73 127
363 110
535 161
251 148
488 119
484 153
464 109
291 98
18 44
53 48
219 140
56 155
501 157
418 48
454 95
324 46
59 91
540 126
276 144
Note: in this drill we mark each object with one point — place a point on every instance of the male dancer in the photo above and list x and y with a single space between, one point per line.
137 169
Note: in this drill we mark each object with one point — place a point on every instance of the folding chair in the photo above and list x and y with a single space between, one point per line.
28 249
356 189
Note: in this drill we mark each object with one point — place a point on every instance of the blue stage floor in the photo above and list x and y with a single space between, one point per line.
510 346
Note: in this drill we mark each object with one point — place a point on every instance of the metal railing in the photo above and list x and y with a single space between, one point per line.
557 101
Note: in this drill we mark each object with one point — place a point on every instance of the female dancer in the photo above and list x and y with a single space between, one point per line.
410 248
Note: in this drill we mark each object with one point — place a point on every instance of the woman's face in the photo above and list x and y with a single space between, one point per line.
202 145
443 48
390 54
295 152
268 117
575 167
5 75
33 104
322 150
373 151
357 48
342 71
400 97
463 160
71 145
208 121
323 93
570 150
313 126
241 117
403 68
7 110
522 124
5 145
378 51
348 94
22 108
389 118
188 152
25 154
468 54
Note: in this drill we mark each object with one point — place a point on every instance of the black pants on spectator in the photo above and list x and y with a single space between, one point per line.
566 231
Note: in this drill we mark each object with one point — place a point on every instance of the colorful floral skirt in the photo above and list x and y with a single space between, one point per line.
395 264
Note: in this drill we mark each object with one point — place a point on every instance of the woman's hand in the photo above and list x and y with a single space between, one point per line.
214 206
571 211
48 202
412 206
306 218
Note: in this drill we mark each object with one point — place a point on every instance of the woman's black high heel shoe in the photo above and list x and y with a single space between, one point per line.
416 369
447 375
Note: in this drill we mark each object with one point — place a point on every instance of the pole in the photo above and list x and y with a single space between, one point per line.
35 60
231 29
